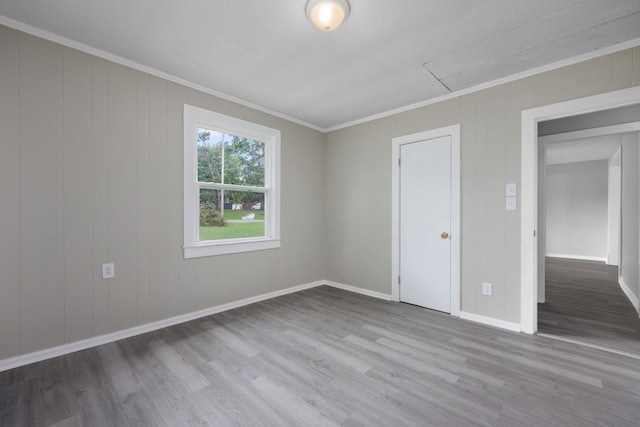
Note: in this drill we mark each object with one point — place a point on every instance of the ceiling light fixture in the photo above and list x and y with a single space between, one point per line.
327 15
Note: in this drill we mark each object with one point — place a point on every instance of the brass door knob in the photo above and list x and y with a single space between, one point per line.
444 235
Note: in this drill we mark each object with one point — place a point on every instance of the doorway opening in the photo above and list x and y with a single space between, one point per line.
530 250
580 293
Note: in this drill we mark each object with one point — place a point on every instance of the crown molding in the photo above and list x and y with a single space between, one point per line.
17 25
34 31
508 79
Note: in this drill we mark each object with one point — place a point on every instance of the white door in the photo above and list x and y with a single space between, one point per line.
425 223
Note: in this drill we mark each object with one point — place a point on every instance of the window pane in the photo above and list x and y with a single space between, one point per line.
243 215
210 145
244 161
236 159
211 205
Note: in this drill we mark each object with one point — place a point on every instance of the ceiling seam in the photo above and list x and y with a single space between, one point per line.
436 77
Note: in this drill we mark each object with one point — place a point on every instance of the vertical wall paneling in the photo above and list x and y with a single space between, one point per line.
481 205
378 146
636 66
158 199
122 196
519 96
76 124
91 173
41 194
289 153
549 87
468 183
496 213
237 271
142 198
192 297
337 163
206 279
300 176
622 69
78 195
9 194
174 187
189 285
100 194
570 82
595 76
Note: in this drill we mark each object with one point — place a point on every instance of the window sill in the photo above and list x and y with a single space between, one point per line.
234 247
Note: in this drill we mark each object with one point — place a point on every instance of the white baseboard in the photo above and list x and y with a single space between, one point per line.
627 291
490 321
580 257
357 290
60 350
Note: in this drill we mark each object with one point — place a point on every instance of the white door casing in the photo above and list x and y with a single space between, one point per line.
529 190
410 147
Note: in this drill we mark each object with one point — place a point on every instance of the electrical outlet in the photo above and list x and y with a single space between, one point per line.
108 271
487 289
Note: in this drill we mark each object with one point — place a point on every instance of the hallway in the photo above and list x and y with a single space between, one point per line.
585 303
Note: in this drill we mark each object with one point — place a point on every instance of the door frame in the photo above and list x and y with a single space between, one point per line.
529 186
454 133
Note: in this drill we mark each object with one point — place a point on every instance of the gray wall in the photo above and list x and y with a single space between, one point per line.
359 174
91 172
577 202
630 213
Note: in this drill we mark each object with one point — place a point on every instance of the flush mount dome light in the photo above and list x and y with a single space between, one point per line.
327 15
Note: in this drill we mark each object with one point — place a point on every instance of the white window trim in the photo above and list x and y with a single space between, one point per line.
194 117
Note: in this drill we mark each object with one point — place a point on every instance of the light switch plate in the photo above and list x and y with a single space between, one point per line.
511 190
487 289
512 204
108 271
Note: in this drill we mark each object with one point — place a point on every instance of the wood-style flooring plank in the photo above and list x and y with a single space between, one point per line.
585 303
327 357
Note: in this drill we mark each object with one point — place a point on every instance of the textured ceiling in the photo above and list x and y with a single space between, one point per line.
388 54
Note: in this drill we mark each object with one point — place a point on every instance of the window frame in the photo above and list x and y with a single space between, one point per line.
195 117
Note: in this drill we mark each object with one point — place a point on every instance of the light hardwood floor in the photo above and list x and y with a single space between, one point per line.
326 357
584 302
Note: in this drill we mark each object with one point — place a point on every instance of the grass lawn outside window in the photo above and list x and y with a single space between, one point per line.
236 227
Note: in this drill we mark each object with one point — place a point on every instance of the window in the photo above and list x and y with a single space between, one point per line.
231 184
